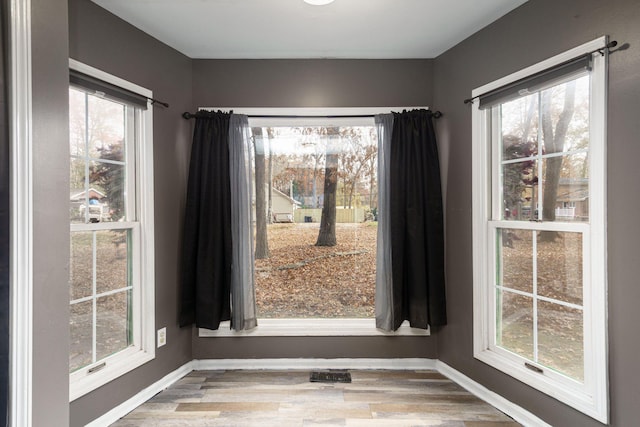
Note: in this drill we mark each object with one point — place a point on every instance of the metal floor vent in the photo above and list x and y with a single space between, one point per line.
330 377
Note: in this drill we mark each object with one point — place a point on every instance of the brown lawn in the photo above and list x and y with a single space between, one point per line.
559 277
300 279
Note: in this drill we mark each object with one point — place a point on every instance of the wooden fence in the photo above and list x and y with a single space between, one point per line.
342 215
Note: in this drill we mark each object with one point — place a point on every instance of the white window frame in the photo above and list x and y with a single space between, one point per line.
590 397
312 116
21 216
142 351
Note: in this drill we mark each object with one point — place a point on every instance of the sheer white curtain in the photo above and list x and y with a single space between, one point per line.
384 285
243 303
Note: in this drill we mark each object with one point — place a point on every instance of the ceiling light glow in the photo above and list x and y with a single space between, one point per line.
318 2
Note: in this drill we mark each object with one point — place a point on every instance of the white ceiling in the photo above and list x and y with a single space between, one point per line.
293 29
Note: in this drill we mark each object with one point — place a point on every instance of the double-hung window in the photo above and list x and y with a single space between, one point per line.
539 227
111 280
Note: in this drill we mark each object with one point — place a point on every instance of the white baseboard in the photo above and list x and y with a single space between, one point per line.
516 412
129 405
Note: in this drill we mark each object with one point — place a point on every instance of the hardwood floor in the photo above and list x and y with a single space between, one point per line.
287 398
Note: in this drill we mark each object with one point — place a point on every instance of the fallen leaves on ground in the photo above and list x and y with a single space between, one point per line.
559 277
300 279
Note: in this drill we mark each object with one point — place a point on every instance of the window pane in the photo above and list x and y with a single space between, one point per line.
566 188
81 265
560 266
560 339
108 182
113 330
106 129
112 260
520 190
515 258
297 278
519 120
81 328
515 323
97 187
564 112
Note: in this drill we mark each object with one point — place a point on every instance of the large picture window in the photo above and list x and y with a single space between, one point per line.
312 281
111 261
303 271
539 210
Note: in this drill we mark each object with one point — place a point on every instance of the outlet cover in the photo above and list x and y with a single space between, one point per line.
162 337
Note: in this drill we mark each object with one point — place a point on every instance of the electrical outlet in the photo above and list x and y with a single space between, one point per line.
162 336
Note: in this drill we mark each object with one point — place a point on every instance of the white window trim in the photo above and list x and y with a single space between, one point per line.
335 327
592 397
313 327
21 244
81 382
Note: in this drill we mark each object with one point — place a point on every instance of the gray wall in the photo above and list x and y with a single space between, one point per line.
535 31
50 212
100 39
313 83
314 347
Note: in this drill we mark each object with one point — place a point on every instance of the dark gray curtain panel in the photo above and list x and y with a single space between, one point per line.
385 318
207 246
243 295
416 216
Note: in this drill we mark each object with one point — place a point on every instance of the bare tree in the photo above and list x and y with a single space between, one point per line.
270 135
355 160
311 137
554 141
371 169
327 234
262 242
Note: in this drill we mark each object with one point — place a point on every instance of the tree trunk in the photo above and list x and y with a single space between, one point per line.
270 206
554 143
262 243
371 189
344 192
314 203
327 234
531 109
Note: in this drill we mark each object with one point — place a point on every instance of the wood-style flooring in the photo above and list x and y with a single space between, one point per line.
287 398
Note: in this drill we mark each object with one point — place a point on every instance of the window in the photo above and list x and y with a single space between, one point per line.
539 228
292 148
111 279
297 276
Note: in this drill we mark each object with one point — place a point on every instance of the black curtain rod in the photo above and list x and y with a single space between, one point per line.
187 116
600 50
155 101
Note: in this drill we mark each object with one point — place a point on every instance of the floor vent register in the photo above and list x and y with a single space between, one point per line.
330 377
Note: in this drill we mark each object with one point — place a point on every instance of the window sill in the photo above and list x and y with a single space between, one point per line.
81 382
588 400
312 328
